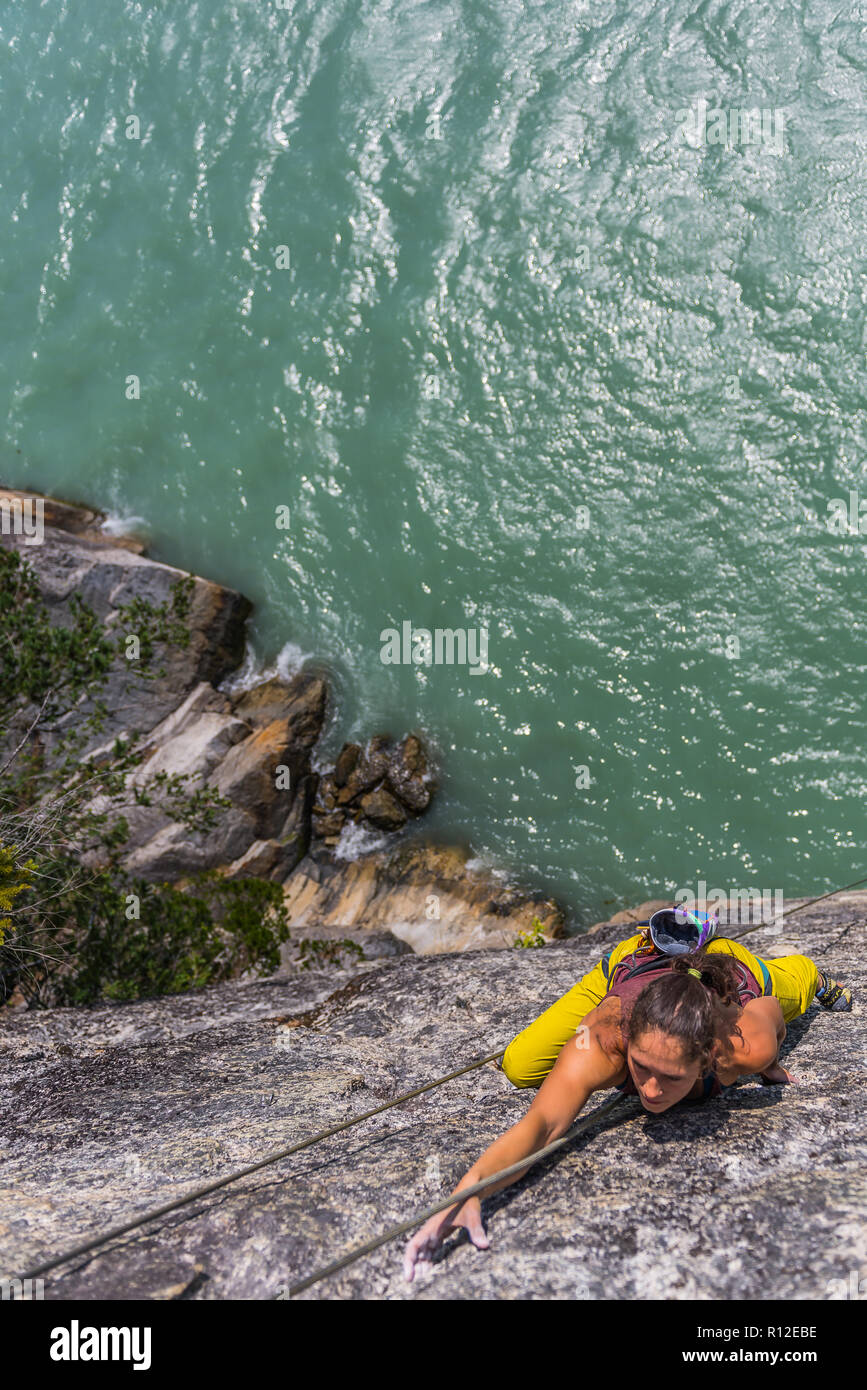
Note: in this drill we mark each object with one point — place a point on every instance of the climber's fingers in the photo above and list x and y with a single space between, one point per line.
778 1076
472 1222
425 1242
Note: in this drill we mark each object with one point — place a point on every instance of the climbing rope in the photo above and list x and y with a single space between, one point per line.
420 1216
801 906
205 1191
245 1172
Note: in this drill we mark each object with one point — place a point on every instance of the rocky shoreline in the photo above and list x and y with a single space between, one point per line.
286 821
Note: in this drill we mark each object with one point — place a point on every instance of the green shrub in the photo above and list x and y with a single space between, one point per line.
68 934
15 878
178 941
316 951
533 936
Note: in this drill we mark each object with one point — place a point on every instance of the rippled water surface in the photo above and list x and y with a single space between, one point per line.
517 285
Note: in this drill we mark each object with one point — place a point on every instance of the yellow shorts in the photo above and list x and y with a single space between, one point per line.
531 1055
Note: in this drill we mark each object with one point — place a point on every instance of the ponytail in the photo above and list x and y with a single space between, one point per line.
696 1002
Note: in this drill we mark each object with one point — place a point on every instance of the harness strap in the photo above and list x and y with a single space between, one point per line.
767 984
628 967
653 961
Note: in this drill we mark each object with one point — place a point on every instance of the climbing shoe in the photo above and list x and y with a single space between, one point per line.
832 995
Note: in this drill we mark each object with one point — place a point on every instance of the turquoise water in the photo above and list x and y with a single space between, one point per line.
442 377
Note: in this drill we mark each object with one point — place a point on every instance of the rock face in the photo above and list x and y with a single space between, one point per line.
424 894
379 787
254 748
77 558
111 1111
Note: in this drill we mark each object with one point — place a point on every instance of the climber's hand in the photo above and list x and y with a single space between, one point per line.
777 1076
434 1231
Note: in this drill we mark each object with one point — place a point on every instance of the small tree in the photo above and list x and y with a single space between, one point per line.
66 934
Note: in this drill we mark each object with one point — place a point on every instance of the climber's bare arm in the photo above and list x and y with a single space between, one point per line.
582 1067
763 1030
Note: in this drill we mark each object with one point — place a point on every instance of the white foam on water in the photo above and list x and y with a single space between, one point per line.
253 671
320 762
119 524
290 659
356 841
482 865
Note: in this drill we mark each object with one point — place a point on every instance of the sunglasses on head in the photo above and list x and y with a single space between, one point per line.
676 930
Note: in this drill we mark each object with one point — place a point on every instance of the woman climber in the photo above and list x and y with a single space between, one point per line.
671 1014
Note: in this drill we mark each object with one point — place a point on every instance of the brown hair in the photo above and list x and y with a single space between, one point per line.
700 1013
